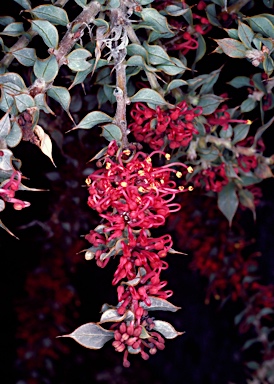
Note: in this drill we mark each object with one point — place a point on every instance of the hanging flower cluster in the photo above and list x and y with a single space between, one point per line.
133 196
159 127
8 189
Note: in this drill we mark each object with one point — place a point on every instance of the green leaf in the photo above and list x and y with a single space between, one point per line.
5 126
51 13
15 135
261 24
212 16
137 49
91 336
268 3
46 69
158 304
246 34
47 31
92 119
114 4
81 3
232 48
263 171
248 105
5 160
209 103
23 102
233 33
154 19
77 60
240 132
62 96
13 78
173 67
7 103
156 54
175 10
111 315
166 329
246 198
147 95
26 56
6 20
201 50
112 132
228 201
24 3
268 65
261 130
240 81
175 84
13 29
138 61
41 103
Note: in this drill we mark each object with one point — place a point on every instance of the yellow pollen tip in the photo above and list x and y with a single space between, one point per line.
152 186
190 188
127 152
189 169
181 188
167 156
179 174
141 189
148 160
162 181
88 181
141 173
108 165
249 122
123 184
138 199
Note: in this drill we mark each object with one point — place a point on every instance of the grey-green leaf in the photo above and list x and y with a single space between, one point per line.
77 60
112 132
15 135
91 336
23 102
46 69
51 13
158 304
24 3
147 95
47 31
92 119
228 201
166 329
232 48
5 126
26 56
209 103
154 19
13 29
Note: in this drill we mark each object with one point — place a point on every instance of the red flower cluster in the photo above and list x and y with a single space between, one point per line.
186 38
212 179
8 189
132 196
156 126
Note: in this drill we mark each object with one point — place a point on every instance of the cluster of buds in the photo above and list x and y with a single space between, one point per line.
159 127
8 189
132 196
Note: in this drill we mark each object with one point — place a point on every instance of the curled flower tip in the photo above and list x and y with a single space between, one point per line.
167 156
181 188
88 181
249 122
189 169
179 174
123 184
108 165
190 188
126 152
